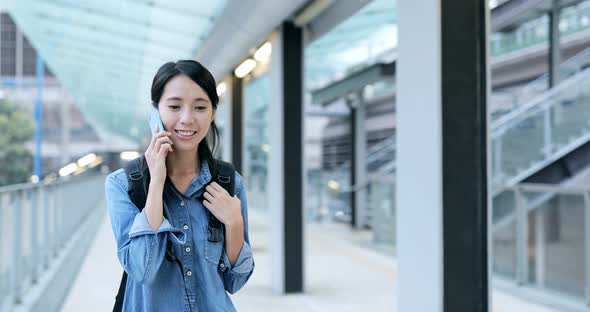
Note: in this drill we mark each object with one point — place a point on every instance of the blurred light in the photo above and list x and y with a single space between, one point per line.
86 160
2 94
263 53
265 148
221 88
339 213
68 169
96 162
34 178
129 155
50 178
245 68
334 185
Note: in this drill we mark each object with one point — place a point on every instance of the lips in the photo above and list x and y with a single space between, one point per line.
185 133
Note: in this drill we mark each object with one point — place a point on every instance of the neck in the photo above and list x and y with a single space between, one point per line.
183 163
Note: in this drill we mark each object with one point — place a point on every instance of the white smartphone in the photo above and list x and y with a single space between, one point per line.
155 120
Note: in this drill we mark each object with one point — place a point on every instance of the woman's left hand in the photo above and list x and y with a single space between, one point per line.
227 209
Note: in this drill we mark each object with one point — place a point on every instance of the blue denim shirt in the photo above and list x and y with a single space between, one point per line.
156 284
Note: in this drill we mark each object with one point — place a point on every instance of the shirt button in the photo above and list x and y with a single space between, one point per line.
188 249
189 273
185 227
182 203
221 265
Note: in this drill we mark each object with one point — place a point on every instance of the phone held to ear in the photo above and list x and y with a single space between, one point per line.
155 120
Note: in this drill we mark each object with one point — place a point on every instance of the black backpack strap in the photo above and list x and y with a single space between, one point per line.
224 174
138 179
120 294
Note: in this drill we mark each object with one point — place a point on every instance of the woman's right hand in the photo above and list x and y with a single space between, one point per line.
156 153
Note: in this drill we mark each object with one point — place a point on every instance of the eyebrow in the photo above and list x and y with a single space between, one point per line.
176 98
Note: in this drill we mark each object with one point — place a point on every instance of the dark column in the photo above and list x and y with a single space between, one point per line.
464 155
292 69
237 122
353 178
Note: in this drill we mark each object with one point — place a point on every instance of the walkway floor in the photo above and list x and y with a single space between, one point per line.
342 274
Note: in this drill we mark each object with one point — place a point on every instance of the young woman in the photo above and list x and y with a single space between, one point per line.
178 207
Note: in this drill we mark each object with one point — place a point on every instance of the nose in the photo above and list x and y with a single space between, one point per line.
186 117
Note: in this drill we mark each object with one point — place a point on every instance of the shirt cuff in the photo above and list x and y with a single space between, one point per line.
141 226
245 261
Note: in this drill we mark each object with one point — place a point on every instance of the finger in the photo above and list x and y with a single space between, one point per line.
164 149
217 187
212 190
208 196
160 141
208 205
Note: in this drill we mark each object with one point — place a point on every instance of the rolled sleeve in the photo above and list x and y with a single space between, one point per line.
141 226
140 249
236 276
245 262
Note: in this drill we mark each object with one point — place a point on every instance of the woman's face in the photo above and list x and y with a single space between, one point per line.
186 112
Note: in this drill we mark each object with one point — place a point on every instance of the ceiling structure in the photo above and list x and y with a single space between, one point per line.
105 53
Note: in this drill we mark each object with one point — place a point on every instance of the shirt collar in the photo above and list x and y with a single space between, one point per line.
196 184
200 180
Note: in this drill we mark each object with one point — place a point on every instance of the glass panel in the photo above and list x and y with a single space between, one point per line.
383 209
556 244
257 100
504 250
504 205
570 116
522 144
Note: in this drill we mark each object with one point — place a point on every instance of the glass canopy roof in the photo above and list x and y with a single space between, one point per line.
368 36
105 53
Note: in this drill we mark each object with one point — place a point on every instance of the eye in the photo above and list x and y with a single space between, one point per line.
201 108
173 106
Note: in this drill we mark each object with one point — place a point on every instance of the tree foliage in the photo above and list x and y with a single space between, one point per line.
16 128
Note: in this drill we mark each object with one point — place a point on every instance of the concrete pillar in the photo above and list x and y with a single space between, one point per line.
442 169
285 161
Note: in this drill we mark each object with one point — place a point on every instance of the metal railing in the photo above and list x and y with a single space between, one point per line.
503 103
573 20
36 222
540 132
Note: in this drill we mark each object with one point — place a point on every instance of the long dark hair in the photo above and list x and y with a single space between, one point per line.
201 76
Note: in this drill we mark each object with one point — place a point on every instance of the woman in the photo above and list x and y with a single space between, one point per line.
178 207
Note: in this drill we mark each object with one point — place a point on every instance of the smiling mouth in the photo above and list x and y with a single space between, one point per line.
185 133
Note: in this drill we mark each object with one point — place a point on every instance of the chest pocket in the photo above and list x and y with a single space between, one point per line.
213 250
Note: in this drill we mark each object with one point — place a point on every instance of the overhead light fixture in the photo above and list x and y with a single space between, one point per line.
67 170
263 53
86 160
221 88
129 155
245 68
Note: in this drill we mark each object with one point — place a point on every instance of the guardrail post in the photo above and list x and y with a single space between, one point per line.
547 132
587 246
521 238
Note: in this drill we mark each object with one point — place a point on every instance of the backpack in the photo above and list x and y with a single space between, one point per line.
138 180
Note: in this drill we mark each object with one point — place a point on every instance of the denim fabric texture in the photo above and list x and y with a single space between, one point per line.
154 282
